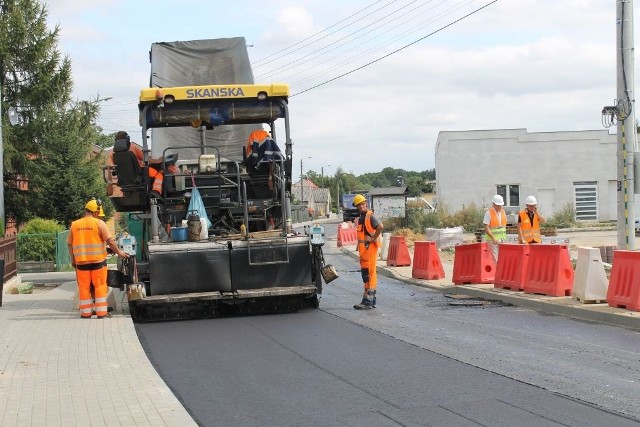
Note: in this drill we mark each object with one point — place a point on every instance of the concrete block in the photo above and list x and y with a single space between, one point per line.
591 281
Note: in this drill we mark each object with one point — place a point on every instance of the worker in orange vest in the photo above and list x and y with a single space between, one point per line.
529 221
368 229
495 225
86 243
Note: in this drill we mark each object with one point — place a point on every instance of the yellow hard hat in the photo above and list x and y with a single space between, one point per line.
358 199
101 214
93 205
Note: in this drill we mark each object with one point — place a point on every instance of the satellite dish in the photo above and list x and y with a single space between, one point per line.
13 116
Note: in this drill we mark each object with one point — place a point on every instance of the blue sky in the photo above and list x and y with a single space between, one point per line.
544 65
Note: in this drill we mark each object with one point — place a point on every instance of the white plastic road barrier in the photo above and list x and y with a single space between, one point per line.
591 283
445 237
385 246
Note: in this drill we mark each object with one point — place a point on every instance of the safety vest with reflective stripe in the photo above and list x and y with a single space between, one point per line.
530 232
88 246
360 230
498 228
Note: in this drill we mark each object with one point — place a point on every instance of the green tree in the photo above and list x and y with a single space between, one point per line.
36 81
65 156
342 182
415 185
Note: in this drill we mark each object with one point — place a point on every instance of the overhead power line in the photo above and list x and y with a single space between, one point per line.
351 43
376 48
395 51
371 27
287 50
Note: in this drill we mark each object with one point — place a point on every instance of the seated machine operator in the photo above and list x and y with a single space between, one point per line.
155 164
260 153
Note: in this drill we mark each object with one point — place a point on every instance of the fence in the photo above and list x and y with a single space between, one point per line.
42 251
8 254
299 213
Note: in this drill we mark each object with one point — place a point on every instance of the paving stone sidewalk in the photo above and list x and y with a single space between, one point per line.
58 369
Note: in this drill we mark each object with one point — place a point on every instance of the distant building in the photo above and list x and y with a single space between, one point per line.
312 196
558 168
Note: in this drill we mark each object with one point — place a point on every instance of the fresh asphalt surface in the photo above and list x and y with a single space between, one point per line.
313 368
415 360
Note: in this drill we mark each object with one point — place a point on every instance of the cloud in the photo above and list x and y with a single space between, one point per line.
544 65
68 10
291 23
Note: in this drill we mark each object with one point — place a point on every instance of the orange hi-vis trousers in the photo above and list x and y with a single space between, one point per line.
368 263
158 179
99 279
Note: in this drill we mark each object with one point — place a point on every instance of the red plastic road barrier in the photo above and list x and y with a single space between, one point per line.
624 283
398 255
549 271
473 264
426 262
512 266
347 236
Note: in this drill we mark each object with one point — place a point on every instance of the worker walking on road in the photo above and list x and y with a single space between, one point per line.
495 225
86 242
529 221
368 230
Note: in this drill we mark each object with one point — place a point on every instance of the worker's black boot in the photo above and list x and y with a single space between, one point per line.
365 304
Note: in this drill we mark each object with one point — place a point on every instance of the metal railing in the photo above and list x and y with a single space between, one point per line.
43 251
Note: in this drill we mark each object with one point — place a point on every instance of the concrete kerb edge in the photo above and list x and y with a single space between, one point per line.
533 302
624 319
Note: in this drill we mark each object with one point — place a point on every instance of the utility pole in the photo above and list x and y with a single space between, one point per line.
328 203
302 182
322 174
626 127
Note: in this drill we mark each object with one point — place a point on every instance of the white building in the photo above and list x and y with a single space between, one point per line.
558 168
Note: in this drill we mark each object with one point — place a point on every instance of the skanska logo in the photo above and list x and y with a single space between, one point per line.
217 92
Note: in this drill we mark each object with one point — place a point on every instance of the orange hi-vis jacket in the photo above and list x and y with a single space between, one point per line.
498 227
88 244
368 254
257 136
530 232
370 231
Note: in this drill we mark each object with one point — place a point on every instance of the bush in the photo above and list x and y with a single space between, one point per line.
564 218
469 218
392 224
37 240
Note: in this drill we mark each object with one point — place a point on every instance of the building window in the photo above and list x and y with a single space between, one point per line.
586 200
510 193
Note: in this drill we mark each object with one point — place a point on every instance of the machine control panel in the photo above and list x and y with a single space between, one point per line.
127 243
316 235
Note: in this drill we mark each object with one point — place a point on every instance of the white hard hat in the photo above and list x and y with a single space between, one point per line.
530 200
497 200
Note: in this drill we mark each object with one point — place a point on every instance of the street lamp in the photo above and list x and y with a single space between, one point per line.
328 201
301 180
